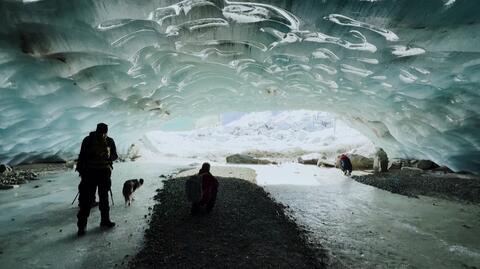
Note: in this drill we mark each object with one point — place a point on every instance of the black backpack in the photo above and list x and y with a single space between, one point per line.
193 188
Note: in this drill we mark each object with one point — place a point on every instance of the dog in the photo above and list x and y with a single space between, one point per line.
129 187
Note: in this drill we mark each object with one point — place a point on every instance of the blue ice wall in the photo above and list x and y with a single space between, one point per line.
405 73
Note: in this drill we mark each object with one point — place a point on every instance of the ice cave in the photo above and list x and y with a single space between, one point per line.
401 75
404 73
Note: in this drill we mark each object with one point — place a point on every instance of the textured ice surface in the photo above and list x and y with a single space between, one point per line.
404 73
366 227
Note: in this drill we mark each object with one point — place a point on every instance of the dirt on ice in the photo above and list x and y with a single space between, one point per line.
246 229
452 186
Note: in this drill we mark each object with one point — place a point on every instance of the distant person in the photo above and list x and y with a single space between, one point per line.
345 165
94 165
209 187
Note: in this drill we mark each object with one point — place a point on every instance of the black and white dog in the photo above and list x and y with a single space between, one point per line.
129 188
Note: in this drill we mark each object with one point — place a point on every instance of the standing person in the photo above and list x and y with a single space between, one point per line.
209 190
94 165
345 165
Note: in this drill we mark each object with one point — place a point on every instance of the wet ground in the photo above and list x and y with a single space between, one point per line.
366 227
39 223
363 226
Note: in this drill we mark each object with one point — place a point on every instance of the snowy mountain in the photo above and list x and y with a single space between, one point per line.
285 135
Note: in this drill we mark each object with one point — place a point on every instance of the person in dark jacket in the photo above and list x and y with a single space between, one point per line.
94 165
209 190
345 165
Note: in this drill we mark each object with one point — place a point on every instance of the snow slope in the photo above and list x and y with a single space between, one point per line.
286 134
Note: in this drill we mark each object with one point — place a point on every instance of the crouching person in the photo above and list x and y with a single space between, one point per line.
94 165
202 190
345 165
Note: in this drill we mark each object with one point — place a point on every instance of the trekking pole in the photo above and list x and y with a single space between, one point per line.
75 197
111 196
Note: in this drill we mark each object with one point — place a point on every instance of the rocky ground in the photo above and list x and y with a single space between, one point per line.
451 186
246 229
21 174
43 168
13 179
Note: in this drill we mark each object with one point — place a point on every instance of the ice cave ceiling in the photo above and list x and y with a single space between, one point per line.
406 73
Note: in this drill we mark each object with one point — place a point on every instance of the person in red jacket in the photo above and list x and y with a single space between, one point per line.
209 190
345 165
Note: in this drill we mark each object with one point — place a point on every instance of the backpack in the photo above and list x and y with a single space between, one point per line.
99 149
98 152
193 188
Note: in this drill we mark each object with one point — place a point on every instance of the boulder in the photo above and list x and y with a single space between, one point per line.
395 164
307 161
325 164
412 163
405 162
5 168
245 159
71 164
359 162
7 187
443 169
380 161
406 169
426 165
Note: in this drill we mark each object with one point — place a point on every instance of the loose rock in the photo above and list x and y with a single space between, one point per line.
245 159
307 161
321 163
246 229
395 164
426 165
413 182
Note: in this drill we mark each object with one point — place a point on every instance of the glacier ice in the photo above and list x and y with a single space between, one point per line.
404 73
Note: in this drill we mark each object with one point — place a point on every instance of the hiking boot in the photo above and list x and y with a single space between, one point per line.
107 224
81 231
105 220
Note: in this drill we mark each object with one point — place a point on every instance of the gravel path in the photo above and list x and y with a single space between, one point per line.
246 229
451 186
